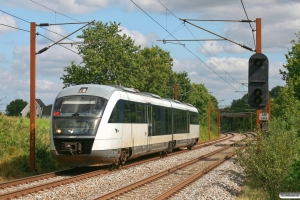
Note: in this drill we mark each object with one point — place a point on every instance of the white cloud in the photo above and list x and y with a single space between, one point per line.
55 33
193 73
140 38
48 64
64 6
7 20
278 22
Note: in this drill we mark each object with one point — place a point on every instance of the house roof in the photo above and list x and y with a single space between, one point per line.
40 102
47 110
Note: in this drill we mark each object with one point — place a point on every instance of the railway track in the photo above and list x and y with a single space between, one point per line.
15 190
170 181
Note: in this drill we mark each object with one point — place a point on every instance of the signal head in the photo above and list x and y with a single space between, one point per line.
258 81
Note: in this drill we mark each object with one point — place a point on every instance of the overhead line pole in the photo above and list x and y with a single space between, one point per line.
208 120
32 94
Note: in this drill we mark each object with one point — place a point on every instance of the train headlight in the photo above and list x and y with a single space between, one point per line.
58 131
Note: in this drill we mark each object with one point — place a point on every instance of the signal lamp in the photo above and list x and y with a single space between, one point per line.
258 81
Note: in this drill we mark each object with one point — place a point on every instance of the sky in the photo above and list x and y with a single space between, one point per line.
220 65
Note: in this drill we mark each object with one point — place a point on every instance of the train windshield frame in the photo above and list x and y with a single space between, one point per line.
79 105
77 115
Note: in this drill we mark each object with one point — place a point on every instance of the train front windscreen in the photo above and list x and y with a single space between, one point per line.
77 115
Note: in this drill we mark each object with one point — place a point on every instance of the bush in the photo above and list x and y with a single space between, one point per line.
293 178
268 161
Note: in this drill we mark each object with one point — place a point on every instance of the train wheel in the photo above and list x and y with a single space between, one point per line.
189 147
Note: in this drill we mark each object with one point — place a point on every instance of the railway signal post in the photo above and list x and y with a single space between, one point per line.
258 82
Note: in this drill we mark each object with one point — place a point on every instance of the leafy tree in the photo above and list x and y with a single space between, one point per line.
157 71
274 93
15 107
285 104
240 105
292 73
184 85
199 97
108 58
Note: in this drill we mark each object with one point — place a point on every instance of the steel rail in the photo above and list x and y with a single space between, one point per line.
51 184
157 176
30 179
193 178
78 177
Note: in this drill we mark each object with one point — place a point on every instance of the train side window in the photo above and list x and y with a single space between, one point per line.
112 118
162 121
194 118
127 115
168 120
121 111
180 121
188 121
169 111
140 113
185 121
133 112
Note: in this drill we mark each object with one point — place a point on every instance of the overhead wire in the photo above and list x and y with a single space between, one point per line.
252 30
212 57
54 11
58 44
15 16
15 28
182 44
55 20
199 42
37 33
205 51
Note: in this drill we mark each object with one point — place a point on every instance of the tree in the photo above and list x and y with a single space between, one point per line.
108 58
15 107
286 104
240 105
157 71
199 97
292 73
275 92
184 85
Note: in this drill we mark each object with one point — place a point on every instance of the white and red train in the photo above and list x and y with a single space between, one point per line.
94 125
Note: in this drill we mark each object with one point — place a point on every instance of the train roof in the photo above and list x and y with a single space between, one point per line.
106 91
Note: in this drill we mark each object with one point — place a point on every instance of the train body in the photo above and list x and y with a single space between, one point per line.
94 125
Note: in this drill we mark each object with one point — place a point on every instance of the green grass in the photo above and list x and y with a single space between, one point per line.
250 192
15 146
204 134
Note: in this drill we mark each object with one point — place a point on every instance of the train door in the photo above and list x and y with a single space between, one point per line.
150 130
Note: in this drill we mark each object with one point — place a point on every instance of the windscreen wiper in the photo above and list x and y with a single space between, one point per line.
82 111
